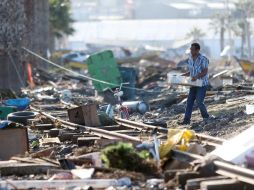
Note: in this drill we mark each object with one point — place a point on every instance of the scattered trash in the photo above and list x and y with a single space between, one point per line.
246 65
61 176
249 109
20 103
136 106
177 138
117 106
83 173
4 124
95 157
152 147
105 153
66 96
154 183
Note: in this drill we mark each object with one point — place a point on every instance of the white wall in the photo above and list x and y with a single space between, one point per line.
163 32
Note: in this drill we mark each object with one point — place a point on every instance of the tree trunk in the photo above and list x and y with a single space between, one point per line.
37 24
12 31
222 32
242 44
52 41
248 39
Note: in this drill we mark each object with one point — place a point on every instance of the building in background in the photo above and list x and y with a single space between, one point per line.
90 10
85 10
163 23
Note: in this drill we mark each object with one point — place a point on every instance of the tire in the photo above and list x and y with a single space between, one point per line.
21 117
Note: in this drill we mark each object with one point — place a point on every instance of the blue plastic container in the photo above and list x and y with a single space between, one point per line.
20 103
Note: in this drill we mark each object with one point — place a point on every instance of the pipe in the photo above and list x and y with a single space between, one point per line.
136 106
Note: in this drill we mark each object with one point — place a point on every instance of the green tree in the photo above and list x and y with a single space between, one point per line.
218 24
196 34
244 10
37 29
60 19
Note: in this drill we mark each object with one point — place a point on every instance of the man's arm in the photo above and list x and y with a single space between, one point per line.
200 75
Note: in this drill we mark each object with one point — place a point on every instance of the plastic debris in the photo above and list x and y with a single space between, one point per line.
4 124
83 173
19 103
180 137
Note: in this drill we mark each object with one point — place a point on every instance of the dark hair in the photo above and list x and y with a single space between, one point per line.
196 45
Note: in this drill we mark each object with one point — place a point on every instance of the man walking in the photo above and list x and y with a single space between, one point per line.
198 69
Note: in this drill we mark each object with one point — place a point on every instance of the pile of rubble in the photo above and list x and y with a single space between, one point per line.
62 136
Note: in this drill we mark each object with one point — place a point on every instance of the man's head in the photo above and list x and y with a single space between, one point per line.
195 48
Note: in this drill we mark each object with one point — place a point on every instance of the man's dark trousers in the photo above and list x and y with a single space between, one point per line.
198 94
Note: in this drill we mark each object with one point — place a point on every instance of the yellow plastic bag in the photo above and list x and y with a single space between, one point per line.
179 137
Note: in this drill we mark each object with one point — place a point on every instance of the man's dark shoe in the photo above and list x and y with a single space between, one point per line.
211 117
184 123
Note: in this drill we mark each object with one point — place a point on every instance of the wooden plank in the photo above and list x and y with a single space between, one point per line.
21 169
193 184
113 128
67 136
183 177
87 141
75 137
43 153
54 132
50 141
221 185
43 127
57 184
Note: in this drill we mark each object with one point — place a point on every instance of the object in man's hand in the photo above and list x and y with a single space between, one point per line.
193 79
